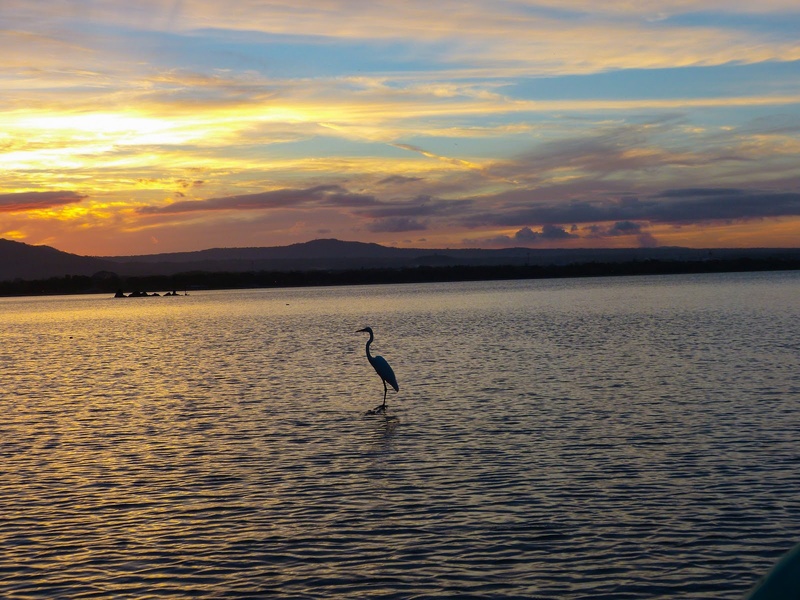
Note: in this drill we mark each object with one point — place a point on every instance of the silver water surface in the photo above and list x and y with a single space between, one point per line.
608 438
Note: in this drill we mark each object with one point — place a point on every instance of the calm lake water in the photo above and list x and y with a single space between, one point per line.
590 438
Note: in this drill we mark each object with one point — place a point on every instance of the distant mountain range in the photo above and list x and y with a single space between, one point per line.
26 262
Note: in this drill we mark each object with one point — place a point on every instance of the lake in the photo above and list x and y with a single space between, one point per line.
603 438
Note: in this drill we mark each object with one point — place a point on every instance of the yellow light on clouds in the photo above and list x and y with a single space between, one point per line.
120 128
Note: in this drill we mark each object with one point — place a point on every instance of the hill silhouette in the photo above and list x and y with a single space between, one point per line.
334 262
333 254
23 261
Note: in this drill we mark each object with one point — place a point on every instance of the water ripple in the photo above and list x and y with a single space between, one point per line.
541 446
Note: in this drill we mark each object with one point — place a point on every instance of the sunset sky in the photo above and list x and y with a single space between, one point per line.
171 125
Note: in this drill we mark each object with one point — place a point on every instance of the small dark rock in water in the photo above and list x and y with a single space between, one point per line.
138 294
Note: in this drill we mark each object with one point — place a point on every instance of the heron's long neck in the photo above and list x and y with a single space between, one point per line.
369 341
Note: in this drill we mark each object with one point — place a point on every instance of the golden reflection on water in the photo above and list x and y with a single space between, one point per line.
551 439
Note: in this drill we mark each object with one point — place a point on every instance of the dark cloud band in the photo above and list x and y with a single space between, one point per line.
669 207
323 195
24 201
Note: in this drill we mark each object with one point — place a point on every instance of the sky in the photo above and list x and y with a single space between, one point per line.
174 125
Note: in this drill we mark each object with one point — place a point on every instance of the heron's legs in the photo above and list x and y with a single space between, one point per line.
381 408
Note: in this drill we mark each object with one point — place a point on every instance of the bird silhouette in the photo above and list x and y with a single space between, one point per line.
383 370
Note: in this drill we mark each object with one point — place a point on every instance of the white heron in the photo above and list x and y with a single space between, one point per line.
382 368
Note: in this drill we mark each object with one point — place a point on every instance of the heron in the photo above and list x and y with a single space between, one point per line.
383 370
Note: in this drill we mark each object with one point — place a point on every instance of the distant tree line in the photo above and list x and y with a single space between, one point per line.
110 283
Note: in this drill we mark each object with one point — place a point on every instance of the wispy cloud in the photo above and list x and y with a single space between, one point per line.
328 195
396 225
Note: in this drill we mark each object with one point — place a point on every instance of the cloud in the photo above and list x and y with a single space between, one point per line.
691 205
622 150
398 180
647 240
697 192
643 238
552 232
527 236
458 162
23 201
419 206
537 38
697 205
323 195
396 225
624 228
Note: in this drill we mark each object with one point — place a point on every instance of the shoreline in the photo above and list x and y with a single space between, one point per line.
109 283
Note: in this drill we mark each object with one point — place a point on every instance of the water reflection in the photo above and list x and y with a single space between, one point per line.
384 429
603 439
